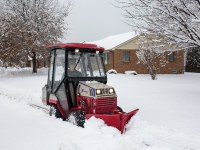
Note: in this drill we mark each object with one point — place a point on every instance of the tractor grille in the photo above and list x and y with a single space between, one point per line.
105 91
109 101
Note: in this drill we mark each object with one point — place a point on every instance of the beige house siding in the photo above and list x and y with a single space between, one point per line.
131 44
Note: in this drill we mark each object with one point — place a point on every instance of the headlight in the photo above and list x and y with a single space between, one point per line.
76 50
98 91
111 91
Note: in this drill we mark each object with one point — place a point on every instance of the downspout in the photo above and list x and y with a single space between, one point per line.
113 60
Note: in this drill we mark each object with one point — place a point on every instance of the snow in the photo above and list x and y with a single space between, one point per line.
131 72
168 119
112 71
114 40
10 71
89 82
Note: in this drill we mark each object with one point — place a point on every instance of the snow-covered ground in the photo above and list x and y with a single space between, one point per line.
169 115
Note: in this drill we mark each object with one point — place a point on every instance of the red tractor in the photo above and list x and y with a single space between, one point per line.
76 88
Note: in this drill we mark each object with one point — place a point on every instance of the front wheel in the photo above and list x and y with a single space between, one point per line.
77 117
54 111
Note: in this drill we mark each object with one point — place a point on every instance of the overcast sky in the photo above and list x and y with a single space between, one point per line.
92 20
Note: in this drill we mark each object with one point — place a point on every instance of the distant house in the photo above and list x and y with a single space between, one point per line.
120 54
39 63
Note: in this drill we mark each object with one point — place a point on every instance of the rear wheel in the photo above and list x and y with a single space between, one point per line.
54 111
77 117
120 109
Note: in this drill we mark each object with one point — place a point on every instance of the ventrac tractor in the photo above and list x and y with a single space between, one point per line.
76 88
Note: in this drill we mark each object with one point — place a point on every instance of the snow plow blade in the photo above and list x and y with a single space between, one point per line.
118 120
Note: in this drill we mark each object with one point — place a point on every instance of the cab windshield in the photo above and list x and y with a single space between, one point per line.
89 65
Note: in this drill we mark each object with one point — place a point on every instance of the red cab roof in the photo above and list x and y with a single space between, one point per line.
78 45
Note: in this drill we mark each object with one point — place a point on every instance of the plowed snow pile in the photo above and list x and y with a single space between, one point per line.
20 71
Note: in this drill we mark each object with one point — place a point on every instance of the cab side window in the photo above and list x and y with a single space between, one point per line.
51 70
59 69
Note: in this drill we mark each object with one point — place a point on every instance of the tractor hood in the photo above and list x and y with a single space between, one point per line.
95 89
96 85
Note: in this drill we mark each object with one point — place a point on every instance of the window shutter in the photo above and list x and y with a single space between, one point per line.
108 57
172 56
104 58
124 56
128 56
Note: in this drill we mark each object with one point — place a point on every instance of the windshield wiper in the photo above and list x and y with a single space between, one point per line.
78 60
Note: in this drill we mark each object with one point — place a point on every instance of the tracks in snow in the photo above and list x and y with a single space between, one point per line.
46 110
175 139
163 136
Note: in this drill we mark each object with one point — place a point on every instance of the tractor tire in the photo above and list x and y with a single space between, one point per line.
120 109
77 117
54 111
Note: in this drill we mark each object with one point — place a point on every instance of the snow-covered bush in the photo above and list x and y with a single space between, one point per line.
112 71
151 53
131 72
42 70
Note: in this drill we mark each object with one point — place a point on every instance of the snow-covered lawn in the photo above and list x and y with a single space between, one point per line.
169 115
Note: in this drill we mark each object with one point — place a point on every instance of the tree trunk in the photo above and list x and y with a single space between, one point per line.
34 63
153 76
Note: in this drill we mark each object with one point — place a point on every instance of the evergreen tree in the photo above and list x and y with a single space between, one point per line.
193 60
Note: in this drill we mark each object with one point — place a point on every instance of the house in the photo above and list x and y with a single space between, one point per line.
120 54
39 64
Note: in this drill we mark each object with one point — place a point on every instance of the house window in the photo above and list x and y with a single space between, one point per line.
23 65
106 58
171 56
39 64
148 55
28 63
126 56
46 63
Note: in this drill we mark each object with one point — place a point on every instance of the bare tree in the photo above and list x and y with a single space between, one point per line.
179 20
152 53
35 24
11 48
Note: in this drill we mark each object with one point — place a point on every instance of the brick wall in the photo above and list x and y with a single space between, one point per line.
177 64
121 67
42 63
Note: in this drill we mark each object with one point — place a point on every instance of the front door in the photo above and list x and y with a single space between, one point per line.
58 87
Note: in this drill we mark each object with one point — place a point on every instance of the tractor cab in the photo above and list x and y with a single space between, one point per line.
76 87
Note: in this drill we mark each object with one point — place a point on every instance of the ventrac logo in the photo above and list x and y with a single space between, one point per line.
82 90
